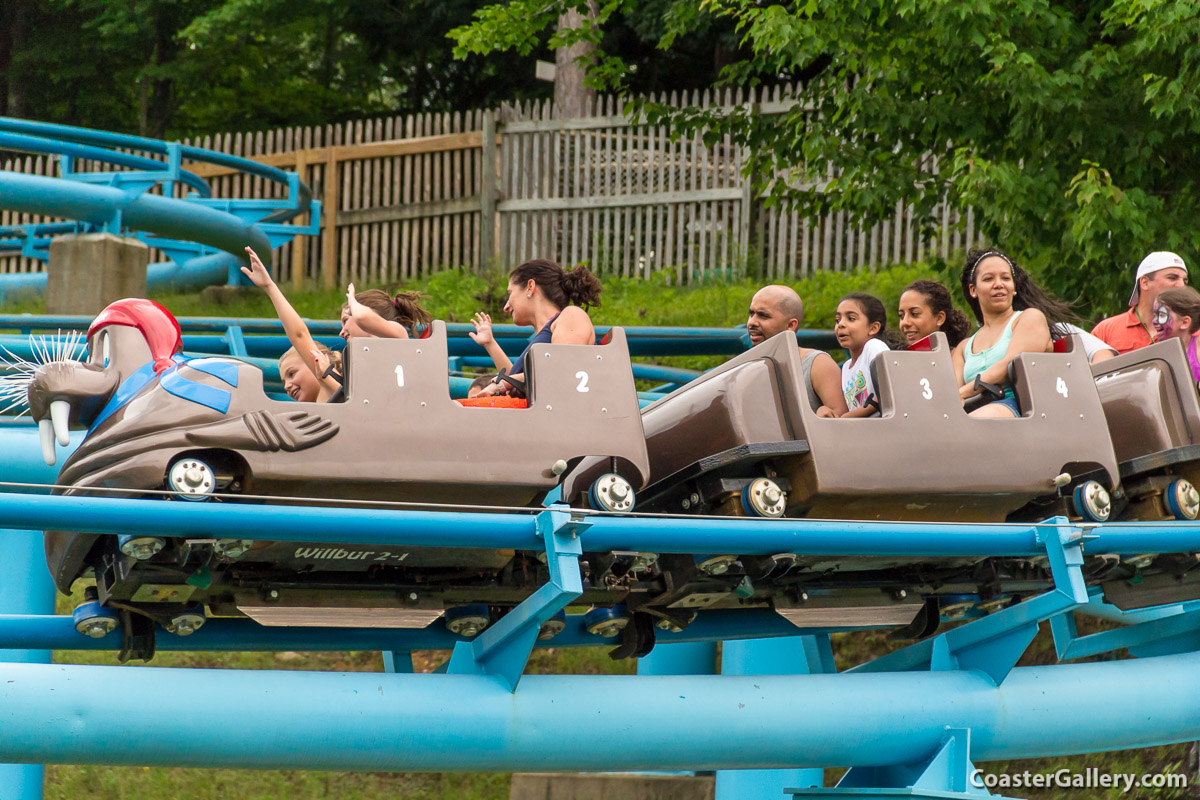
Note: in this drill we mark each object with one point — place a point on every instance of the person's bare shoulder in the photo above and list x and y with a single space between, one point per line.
573 315
1032 316
825 362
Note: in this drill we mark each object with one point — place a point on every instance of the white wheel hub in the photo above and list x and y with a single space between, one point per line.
192 479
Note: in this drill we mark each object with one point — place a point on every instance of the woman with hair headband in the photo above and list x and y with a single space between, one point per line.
1015 316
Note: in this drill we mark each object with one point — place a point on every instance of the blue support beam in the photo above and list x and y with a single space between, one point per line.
27 589
993 644
503 649
945 775
691 658
797 655
1173 629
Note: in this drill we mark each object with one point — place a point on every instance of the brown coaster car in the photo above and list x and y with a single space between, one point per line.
197 427
743 440
714 442
1153 417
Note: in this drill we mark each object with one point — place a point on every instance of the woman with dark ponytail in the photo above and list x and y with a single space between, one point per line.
552 300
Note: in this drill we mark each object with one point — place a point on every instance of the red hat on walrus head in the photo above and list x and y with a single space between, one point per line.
159 328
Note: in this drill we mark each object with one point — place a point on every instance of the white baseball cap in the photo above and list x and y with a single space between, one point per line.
1157 260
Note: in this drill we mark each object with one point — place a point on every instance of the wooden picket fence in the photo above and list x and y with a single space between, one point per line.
406 196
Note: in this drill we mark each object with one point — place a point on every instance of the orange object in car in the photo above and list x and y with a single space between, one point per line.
496 401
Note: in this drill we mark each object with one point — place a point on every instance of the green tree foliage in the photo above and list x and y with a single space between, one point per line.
174 68
1069 126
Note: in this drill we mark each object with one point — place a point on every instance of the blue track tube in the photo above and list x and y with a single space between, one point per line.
37 144
88 136
447 723
419 528
643 341
163 216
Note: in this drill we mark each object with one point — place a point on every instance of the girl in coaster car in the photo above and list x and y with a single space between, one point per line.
1015 315
318 385
860 325
552 300
1177 314
926 307
299 381
379 314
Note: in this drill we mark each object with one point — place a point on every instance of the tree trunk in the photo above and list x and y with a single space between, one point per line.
14 28
571 97
160 91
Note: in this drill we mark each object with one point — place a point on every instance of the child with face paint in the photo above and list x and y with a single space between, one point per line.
1177 315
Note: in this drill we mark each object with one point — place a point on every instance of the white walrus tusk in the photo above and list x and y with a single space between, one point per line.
46 430
60 412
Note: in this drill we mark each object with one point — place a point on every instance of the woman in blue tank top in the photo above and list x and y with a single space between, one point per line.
552 300
1015 315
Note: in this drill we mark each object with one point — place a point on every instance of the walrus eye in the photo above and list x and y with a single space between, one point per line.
105 348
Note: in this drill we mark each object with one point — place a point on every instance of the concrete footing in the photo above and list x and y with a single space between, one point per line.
88 271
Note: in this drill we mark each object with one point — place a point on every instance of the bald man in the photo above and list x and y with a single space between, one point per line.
776 309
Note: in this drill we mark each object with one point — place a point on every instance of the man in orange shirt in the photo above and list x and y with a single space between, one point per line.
1133 329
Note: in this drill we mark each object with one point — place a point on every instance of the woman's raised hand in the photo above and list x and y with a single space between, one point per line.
257 272
483 329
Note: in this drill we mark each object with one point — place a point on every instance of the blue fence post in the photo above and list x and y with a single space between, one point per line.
27 590
791 655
